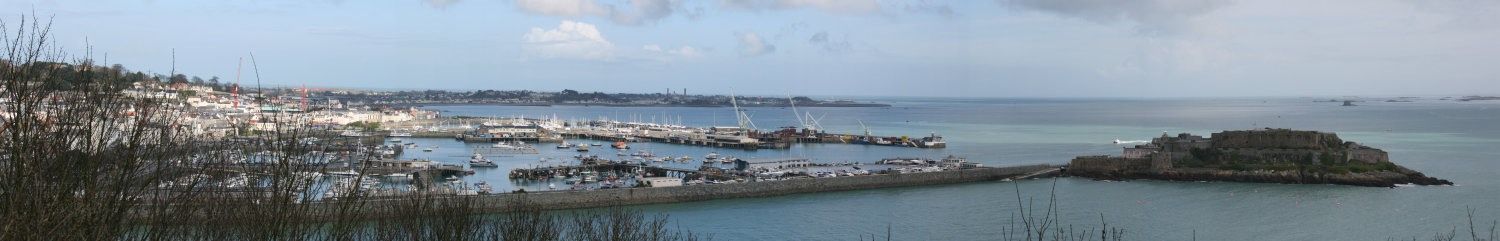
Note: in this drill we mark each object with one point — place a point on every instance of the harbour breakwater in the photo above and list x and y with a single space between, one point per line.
636 196
389 207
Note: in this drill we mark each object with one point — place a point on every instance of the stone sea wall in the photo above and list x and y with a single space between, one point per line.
637 196
1275 138
554 200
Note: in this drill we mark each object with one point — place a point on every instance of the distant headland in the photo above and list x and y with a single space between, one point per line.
1263 155
540 98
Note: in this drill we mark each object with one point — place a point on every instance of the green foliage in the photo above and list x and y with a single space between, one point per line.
1192 161
1327 158
1338 170
1386 166
1208 156
1360 169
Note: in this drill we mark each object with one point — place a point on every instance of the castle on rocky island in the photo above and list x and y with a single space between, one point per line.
1291 156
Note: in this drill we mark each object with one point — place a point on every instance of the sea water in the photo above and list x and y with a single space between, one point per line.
1452 140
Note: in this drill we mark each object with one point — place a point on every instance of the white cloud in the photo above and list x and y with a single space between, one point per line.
633 12
571 40
829 6
752 44
1151 17
441 3
684 52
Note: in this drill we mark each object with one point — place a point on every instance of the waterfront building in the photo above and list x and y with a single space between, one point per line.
771 164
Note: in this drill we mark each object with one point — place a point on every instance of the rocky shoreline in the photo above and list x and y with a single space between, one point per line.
1368 179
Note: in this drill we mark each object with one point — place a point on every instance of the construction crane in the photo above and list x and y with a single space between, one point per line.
808 122
867 129
739 115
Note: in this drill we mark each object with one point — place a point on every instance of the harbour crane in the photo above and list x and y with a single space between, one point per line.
739 115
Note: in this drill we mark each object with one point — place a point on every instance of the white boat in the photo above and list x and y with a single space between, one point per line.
483 187
564 145
936 141
344 173
398 175
400 134
429 149
711 156
1117 141
479 161
352 133
396 140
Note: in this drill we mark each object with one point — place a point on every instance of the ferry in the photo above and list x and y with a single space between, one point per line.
936 141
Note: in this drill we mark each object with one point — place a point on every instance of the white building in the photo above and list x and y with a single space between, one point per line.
663 181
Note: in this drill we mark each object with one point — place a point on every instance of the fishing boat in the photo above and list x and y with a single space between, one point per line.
479 161
396 139
620 145
712 156
583 149
564 145
483 187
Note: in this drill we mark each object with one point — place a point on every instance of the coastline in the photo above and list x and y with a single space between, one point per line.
637 105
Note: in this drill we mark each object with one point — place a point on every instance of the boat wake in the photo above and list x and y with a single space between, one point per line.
1118 141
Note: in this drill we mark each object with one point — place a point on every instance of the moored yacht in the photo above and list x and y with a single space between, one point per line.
479 161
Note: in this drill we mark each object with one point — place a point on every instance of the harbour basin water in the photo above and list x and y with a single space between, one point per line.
1445 139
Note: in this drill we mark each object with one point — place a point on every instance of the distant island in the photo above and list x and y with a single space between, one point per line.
1263 155
539 98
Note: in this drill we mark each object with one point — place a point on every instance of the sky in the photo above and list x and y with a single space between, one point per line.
978 48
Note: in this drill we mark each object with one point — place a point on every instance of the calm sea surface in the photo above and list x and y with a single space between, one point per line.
1458 141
